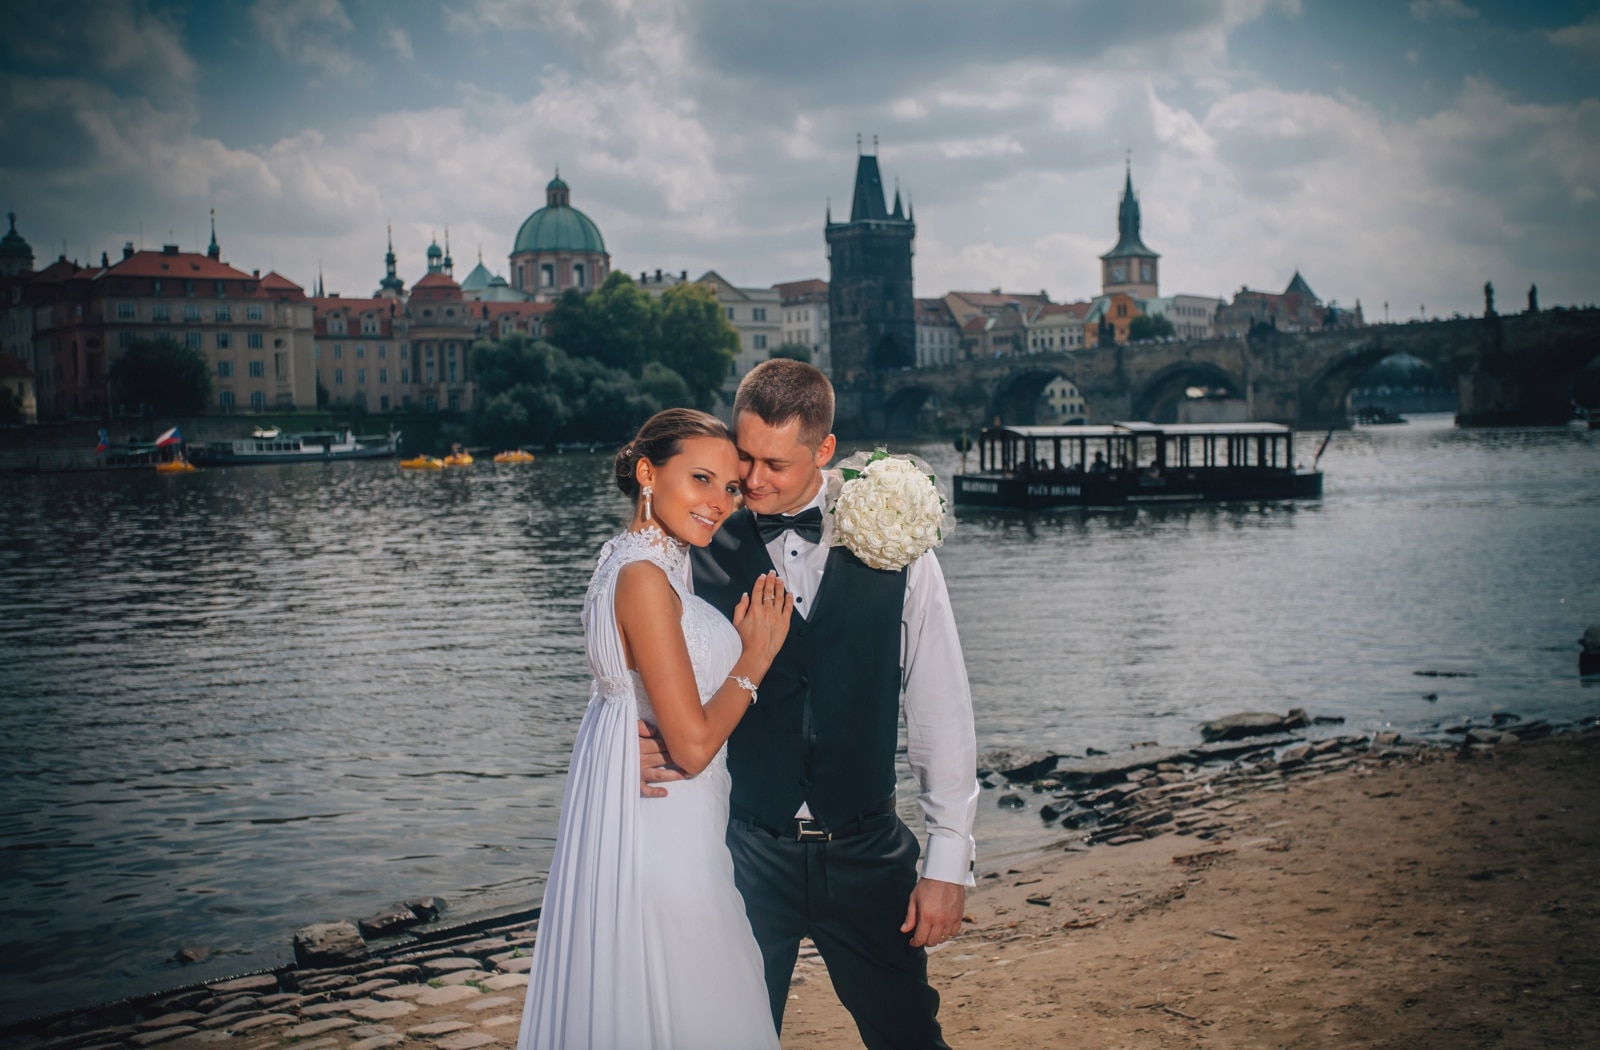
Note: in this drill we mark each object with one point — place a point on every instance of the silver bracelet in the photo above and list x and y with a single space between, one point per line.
744 683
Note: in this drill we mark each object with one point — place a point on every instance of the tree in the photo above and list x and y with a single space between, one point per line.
534 393
162 377
615 324
666 386
1147 326
793 351
696 341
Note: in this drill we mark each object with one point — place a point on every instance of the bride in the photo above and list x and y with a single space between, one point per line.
643 939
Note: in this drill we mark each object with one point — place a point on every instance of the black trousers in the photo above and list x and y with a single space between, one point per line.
849 897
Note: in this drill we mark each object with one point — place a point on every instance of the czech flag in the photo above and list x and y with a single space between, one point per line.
171 437
105 442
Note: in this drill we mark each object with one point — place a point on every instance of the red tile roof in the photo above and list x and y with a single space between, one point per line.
277 282
177 264
437 280
807 289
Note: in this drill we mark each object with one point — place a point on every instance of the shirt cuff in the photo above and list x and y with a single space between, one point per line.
949 859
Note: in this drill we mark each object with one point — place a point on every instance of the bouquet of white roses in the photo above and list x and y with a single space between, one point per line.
887 509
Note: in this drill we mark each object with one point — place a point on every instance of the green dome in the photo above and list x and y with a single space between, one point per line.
559 228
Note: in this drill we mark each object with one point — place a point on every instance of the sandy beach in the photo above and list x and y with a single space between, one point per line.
1425 897
1437 901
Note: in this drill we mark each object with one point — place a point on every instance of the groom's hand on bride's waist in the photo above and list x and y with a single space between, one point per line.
933 915
655 765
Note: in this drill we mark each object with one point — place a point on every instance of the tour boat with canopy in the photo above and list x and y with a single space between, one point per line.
273 446
1040 467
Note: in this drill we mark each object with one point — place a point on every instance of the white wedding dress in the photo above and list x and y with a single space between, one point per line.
643 940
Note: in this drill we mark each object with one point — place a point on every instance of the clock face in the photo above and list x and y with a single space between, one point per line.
1119 274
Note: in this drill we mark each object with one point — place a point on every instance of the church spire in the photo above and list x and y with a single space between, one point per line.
214 251
391 285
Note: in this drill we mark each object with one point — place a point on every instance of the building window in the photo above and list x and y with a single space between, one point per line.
577 274
158 312
224 340
191 340
450 351
430 373
758 313
405 352
383 351
156 284
455 400
369 327
361 377
258 370
383 403
126 312
225 400
188 287
383 375
361 352
224 369
258 401
759 341
405 375
547 275
224 313
252 313
336 326
222 289
452 372
191 311
730 313
338 351
338 377
253 340
430 351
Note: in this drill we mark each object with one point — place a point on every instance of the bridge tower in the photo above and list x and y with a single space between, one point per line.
872 326
1129 267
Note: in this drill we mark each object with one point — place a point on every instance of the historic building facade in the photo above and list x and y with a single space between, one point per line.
871 313
805 318
558 247
1130 267
255 332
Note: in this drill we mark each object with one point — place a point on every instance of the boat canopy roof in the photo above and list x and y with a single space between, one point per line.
1132 428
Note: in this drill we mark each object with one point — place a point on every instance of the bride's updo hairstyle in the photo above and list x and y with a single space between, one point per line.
661 438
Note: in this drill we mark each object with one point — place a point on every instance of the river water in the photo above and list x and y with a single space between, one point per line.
235 702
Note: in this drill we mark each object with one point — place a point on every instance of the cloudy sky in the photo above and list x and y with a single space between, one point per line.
1393 151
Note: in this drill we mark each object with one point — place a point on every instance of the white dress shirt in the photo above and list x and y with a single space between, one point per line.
941 745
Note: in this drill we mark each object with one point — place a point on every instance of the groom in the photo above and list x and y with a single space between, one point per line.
817 848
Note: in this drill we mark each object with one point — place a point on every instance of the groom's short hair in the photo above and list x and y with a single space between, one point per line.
782 389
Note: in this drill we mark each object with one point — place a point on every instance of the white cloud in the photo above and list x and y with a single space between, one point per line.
1584 36
398 41
1424 10
302 31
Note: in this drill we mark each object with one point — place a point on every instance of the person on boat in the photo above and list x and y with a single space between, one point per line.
1099 466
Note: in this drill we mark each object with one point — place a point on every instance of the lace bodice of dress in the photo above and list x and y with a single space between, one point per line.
712 642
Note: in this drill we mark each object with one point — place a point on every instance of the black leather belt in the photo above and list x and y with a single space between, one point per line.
801 829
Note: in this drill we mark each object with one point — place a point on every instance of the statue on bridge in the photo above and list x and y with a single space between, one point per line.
1488 298
1533 298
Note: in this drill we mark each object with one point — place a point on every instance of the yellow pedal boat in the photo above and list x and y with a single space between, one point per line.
176 466
515 456
422 463
458 459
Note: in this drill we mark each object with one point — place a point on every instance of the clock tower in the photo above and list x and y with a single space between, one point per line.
1130 267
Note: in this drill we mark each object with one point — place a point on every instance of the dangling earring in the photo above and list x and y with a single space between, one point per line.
648 492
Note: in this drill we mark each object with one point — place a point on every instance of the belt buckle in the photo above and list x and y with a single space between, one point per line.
810 831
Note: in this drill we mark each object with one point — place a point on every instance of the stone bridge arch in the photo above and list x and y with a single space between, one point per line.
1016 396
1324 401
915 408
1157 399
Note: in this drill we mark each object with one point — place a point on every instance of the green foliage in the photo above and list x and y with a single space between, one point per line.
619 325
793 351
1149 326
696 341
533 393
162 377
666 386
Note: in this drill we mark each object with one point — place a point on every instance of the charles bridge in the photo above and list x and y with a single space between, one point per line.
1508 369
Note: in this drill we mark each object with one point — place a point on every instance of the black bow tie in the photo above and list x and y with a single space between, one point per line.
807 525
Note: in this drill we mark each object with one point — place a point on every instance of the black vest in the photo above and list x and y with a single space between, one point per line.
827 724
